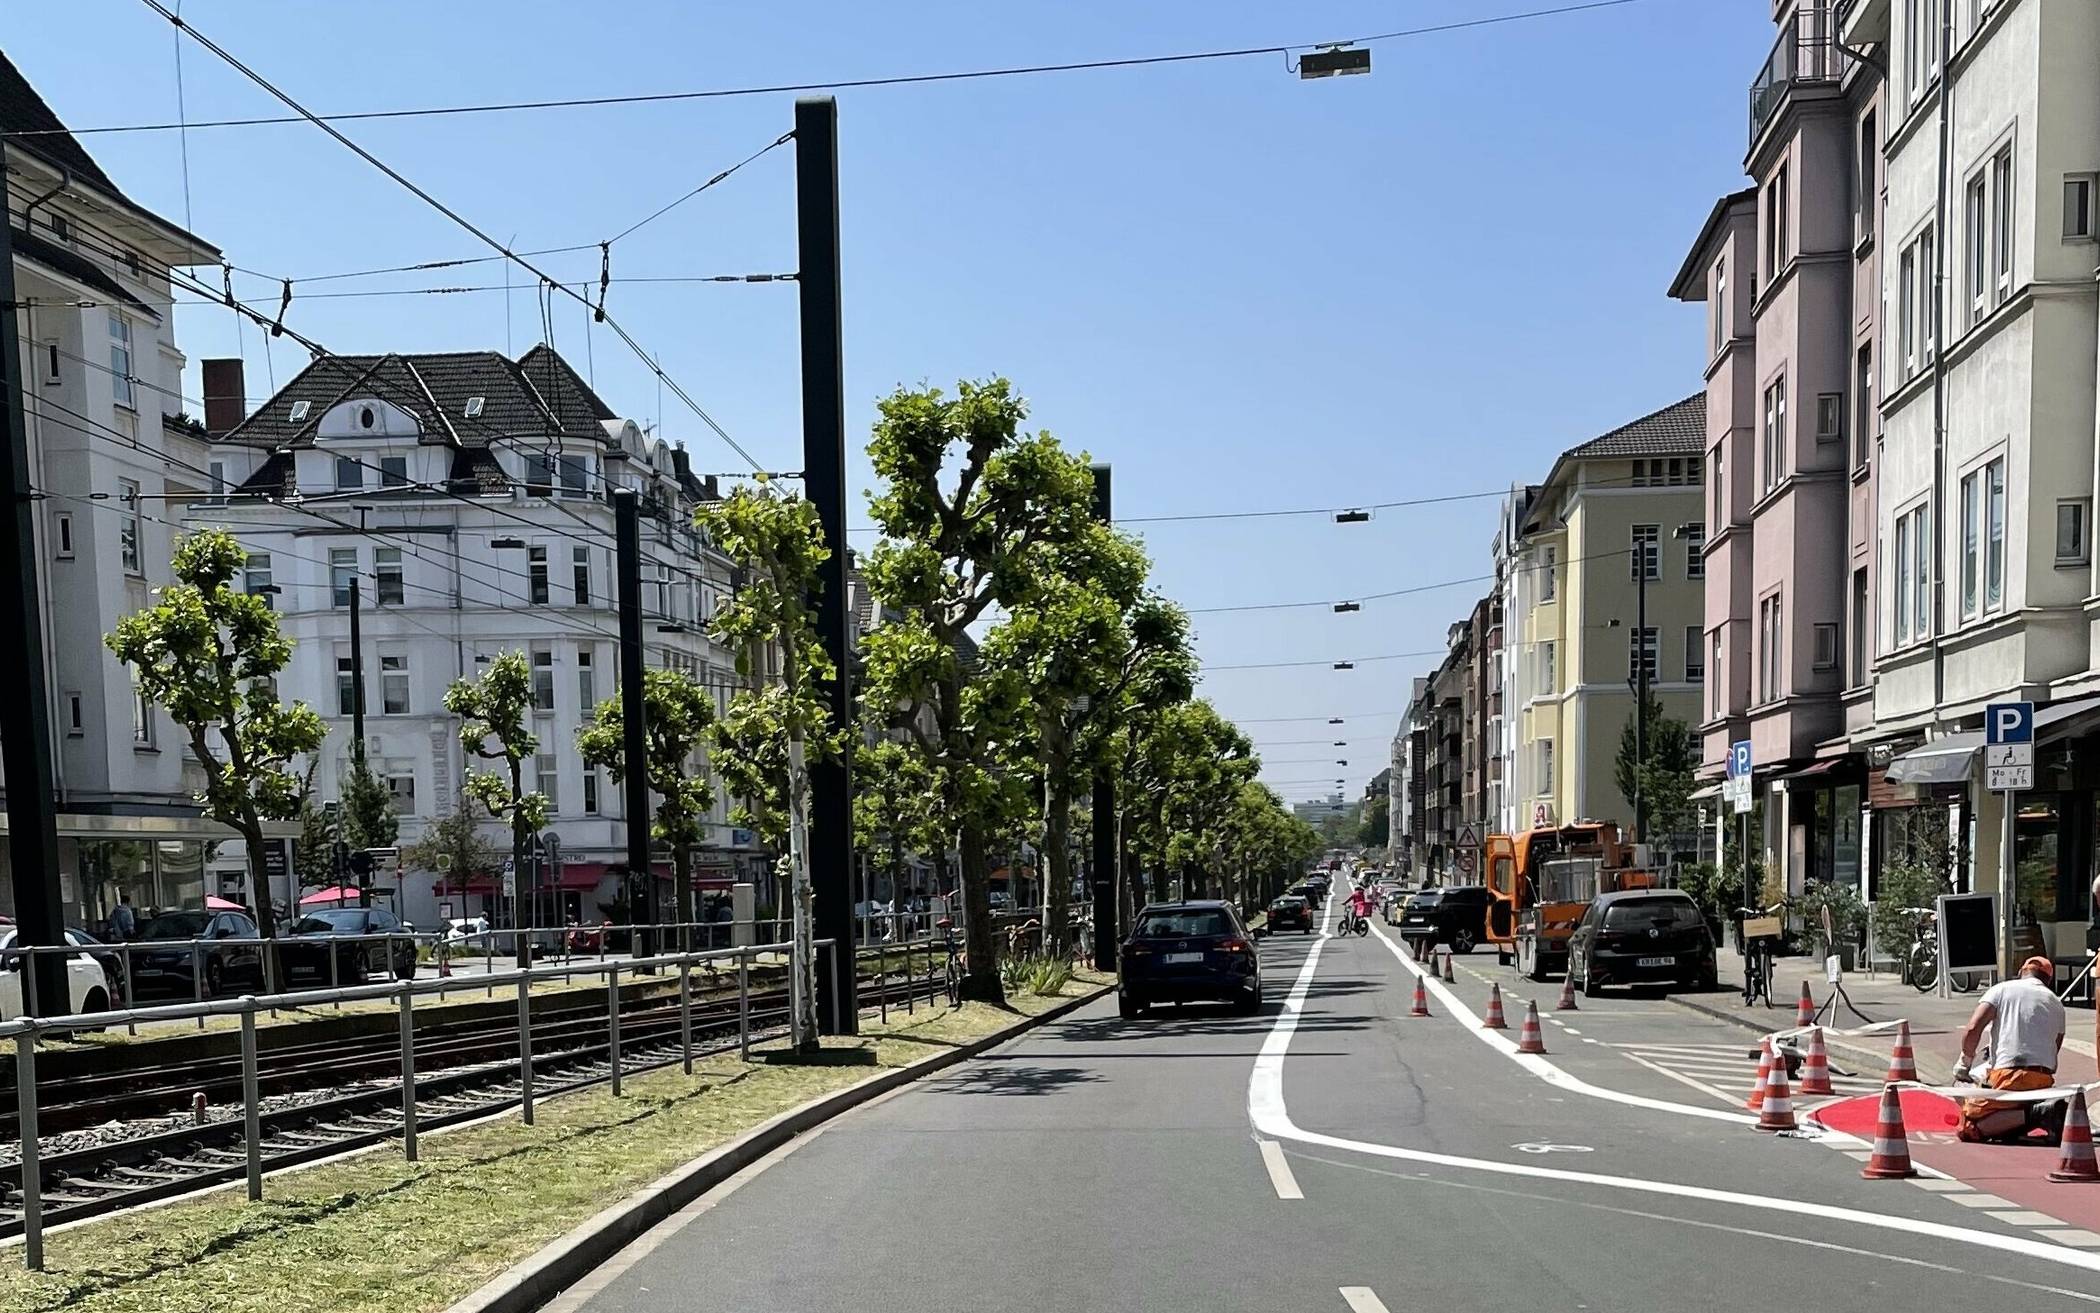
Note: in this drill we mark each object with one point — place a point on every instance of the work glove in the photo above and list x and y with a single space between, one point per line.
1961 1072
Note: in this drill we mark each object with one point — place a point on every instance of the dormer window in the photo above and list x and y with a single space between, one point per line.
300 409
365 417
474 405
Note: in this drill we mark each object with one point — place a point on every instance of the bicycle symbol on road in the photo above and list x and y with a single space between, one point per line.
1552 1148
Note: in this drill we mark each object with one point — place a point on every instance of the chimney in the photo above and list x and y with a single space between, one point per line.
225 395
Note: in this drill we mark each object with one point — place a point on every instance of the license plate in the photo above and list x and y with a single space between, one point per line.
1176 959
1657 962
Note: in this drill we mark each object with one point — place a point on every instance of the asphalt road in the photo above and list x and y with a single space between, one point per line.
1098 1164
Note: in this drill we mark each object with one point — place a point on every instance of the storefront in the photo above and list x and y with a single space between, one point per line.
158 862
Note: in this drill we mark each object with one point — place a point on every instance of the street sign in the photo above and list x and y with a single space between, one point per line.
1541 815
2008 722
1468 837
2006 779
1739 760
2008 753
1465 861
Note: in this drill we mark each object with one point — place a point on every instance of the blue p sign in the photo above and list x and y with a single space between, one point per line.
1739 759
2008 722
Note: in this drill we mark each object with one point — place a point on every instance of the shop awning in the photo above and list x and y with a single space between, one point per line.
1816 769
1710 791
1948 759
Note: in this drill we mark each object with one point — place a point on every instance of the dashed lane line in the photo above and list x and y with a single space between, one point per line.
1361 1299
1280 1175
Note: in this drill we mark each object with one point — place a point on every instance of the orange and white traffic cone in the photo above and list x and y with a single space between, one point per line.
1805 1010
1567 994
1777 1114
2077 1163
1903 1062
1531 1039
1450 976
1815 1068
1421 1007
1764 1073
1891 1158
1494 1020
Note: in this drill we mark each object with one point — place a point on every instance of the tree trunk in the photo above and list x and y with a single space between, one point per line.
802 1019
259 899
523 880
982 982
1057 858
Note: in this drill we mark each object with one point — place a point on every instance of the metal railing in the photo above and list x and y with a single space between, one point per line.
25 1032
1806 53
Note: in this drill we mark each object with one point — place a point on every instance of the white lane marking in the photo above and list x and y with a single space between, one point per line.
2073 1236
1570 1029
1942 1185
1979 1200
2023 1217
1270 1115
1361 1300
1680 1077
1279 1170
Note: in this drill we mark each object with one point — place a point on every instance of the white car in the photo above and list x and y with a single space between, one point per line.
467 931
86 985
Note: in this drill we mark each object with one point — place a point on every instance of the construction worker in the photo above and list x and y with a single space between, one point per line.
2025 1021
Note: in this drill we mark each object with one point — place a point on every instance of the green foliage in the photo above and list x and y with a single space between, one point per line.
1908 880
455 845
1847 913
313 856
896 800
677 716
369 817
495 725
1375 830
1717 889
1182 778
210 655
1665 780
1047 975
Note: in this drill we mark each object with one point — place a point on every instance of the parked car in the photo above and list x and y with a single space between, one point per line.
1195 951
87 988
1290 912
1454 915
106 957
468 932
1639 936
172 969
305 950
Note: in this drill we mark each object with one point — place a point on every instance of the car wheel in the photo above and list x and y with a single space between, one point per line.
1590 987
1128 1007
1462 942
1249 1004
405 969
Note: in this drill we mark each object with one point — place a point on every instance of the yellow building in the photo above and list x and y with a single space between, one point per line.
1614 507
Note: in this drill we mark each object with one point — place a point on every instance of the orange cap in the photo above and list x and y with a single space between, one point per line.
2040 967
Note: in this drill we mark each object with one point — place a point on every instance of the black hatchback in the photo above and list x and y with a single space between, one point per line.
1454 915
1189 952
1642 936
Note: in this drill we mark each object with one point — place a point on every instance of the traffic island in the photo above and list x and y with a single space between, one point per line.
497 1201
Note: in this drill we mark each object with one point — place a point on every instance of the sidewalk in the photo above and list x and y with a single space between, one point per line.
1934 1021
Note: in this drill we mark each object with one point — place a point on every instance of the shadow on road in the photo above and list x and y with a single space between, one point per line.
980 1079
1197 1020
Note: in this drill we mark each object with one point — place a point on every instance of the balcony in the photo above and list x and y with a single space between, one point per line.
1806 54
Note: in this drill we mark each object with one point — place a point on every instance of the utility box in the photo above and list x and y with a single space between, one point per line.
743 908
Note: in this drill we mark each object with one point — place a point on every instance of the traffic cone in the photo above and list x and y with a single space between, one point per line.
1567 994
1891 1159
1416 945
1777 1113
1815 1069
1494 1017
1421 1007
1531 1039
1903 1063
1450 977
2077 1163
1805 1010
1764 1073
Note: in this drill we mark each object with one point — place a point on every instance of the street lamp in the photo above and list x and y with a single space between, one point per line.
1345 665
1334 720
1351 517
1348 606
1334 61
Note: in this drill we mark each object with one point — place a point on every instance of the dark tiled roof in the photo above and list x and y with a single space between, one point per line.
74 265
23 110
1678 429
435 387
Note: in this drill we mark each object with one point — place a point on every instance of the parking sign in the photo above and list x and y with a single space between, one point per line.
2008 746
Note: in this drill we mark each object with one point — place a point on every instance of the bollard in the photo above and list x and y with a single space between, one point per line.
685 1014
196 978
525 1048
335 968
743 1003
911 995
408 1073
251 1099
131 1027
612 1024
32 1169
831 955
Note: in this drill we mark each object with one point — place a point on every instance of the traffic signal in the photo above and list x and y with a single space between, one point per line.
361 865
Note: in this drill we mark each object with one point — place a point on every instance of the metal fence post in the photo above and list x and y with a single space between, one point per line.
612 1024
525 1048
32 1168
911 992
124 956
197 979
743 1003
29 974
335 968
251 1099
408 1072
685 1014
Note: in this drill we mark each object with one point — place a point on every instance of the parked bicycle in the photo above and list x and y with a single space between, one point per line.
1760 945
954 968
1921 961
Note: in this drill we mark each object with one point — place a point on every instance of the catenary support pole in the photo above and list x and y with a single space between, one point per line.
633 712
1102 869
824 483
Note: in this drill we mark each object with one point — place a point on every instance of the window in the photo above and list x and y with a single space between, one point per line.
590 790
1641 655
1826 638
1863 419
130 528
76 715
300 410
2001 225
1971 529
1906 309
547 779
1928 299
543 680
402 789
1771 630
1694 654
345 686
1994 534
1774 431
1547 582
393 685
580 557
1775 225
1912 605
1860 620
389 587
349 474
61 227
586 682
539 474
1830 416
1694 550
1545 765
1549 667
141 718
342 574
215 475
1718 311
1718 684
474 407
258 581
393 471
48 355
1646 557
575 475
2073 538
1983 539
62 529
1976 216
1719 461
120 380
2078 209
536 559
1865 193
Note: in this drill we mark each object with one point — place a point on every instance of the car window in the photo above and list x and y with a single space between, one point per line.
1652 914
337 920
1184 924
176 925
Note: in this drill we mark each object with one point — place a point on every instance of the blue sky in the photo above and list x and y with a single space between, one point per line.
1243 290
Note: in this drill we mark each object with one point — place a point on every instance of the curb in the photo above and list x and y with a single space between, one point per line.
561 1263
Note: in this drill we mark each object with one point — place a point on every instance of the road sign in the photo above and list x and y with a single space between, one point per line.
1465 861
2006 779
2008 754
2008 722
1739 760
1541 815
1468 837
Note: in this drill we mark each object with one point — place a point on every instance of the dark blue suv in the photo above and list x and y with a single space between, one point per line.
1187 953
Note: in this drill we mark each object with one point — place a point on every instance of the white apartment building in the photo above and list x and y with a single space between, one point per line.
467 497
1516 665
108 449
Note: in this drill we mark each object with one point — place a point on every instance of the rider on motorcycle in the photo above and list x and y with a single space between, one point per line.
1360 904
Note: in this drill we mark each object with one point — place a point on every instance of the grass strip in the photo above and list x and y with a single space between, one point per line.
374 1233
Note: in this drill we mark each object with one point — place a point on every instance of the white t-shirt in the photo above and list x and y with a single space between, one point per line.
2029 1024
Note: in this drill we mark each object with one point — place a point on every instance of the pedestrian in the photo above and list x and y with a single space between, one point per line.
2025 1021
123 922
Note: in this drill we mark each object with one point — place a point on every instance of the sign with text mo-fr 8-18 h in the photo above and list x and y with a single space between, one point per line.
2008 746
